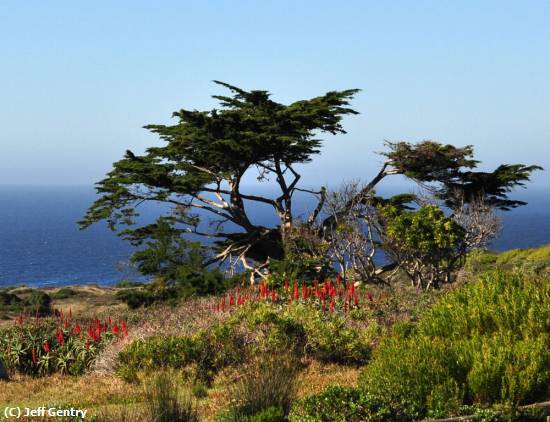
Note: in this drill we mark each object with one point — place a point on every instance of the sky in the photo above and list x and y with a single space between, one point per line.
80 79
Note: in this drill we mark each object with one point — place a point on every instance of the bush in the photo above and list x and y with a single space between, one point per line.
10 302
329 339
64 293
485 343
40 303
154 353
340 404
165 403
124 284
265 390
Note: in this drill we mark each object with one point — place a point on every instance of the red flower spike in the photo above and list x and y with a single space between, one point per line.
34 356
46 346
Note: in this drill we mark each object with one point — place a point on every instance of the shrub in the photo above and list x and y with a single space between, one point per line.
124 284
64 293
40 303
340 404
10 302
487 342
265 390
154 353
165 402
329 339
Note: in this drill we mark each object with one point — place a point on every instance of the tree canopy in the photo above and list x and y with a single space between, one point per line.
206 154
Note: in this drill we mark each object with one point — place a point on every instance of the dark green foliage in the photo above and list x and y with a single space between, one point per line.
452 169
135 298
486 343
199 391
10 302
124 284
3 371
64 293
341 404
178 264
40 303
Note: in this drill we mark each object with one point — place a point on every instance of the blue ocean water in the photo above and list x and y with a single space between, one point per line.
41 244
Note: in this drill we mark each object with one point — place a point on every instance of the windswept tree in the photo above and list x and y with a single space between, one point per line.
203 162
199 171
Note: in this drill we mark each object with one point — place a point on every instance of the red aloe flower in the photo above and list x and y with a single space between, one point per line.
46 346
115 329
331 306
60 337
124 328
77 329
296 293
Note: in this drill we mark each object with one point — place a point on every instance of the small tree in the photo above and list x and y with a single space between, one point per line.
424 243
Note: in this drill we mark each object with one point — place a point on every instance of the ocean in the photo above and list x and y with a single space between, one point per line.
41 244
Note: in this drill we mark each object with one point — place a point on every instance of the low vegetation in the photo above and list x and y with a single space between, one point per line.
293 351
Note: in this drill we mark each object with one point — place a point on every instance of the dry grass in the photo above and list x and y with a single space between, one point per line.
89 391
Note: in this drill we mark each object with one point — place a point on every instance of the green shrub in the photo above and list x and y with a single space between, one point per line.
166 403
10 302
64 293
125 284
199 391
40 303
329 339
153 353
340 404
487 342
271 414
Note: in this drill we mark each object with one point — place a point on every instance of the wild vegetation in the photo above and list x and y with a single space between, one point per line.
368 309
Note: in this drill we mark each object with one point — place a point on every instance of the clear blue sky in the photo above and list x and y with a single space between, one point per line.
80 79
